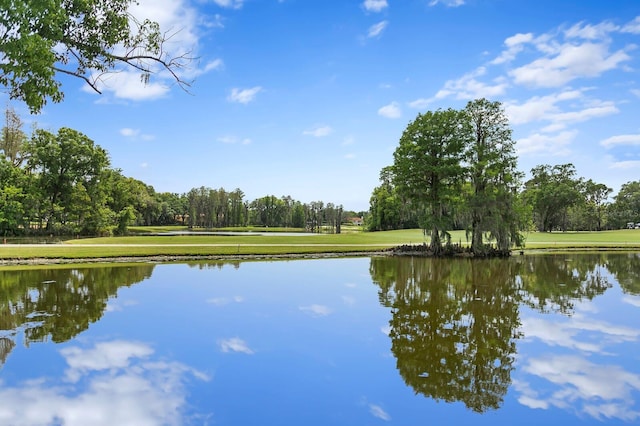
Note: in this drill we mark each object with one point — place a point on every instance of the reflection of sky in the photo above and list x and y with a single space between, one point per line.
111 383
635 301
602 391
584 363
303 342
235 344
316 310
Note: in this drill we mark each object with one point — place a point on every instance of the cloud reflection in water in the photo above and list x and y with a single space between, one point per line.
113 383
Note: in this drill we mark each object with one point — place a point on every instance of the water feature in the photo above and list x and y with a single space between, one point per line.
548 339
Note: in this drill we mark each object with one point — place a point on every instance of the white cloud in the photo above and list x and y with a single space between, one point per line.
390 111
556 145
631 300
591 32
104 356
599 109
515 44
379 412
235 344
625 165
550 108
633 140
216 64
129 132
448 3
567 334
377 29
632 27
349 140
318 131
127 85
600 391
180 24
539 107
243 96
316 310
229 4
375 5
221 301
114 383
568 62
469 87
135 134
421 103
232 140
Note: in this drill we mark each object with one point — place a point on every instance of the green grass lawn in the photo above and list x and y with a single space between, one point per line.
275 244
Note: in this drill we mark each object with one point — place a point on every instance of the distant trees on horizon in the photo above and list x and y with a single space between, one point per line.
63 184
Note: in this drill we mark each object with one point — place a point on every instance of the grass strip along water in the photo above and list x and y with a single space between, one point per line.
284 245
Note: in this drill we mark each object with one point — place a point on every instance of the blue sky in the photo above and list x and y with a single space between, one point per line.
309 98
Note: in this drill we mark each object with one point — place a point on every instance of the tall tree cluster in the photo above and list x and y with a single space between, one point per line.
458 170
63 184
453 168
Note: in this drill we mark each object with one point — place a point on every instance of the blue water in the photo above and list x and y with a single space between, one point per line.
308 342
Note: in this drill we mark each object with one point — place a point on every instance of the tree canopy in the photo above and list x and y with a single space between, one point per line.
427 168
40 40
451 164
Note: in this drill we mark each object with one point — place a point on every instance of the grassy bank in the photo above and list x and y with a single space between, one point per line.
275 244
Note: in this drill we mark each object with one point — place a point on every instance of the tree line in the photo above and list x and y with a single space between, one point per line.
457 169
62 183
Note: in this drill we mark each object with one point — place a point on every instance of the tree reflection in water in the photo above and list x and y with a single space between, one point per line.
455 322
58 304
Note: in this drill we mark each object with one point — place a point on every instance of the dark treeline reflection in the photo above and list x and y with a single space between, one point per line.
626 270
455 322
214 264
57 304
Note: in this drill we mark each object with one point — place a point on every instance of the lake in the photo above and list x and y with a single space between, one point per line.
529 340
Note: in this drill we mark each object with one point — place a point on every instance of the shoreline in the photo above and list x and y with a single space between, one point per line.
43 261
187 258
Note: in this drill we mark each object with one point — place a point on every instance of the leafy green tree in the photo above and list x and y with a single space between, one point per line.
11 210
13 139
65 163
626 204
492 170
384 204
595 205
41 40
298 215
551 191
237 210
428 169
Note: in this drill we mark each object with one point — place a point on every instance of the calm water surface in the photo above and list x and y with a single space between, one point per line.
362 341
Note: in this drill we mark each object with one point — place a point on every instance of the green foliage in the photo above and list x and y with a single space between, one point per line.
68 166
427 169
455 168
551 191
42 39
493 176
11 210
626 205
13 139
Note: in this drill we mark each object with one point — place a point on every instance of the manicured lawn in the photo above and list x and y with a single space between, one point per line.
275 244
